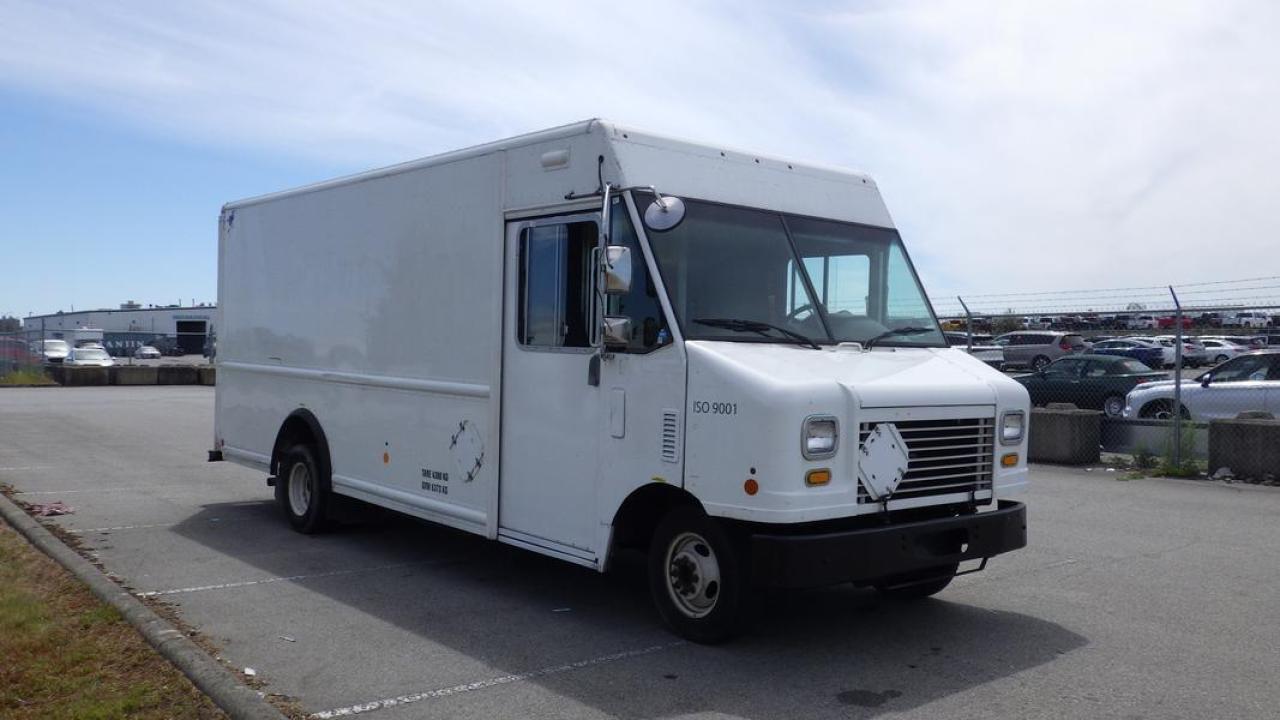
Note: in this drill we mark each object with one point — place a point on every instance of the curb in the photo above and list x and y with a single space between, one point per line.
227 692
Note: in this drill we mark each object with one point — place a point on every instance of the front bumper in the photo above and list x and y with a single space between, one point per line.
867 554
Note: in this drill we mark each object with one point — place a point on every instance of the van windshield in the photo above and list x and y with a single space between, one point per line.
828 281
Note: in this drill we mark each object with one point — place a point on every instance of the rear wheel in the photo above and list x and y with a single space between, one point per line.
302 489
1220 359
697 577
916 585
1040 362
1113 406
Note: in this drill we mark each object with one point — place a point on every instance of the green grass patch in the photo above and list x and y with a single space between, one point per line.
66 655
26 376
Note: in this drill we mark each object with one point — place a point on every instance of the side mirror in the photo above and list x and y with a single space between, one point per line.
617 331
617 271
1205 379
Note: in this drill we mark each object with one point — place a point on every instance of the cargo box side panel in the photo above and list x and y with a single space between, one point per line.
376 307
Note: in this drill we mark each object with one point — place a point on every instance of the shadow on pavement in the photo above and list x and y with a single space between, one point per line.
839 647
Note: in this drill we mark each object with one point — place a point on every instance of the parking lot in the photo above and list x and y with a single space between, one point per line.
1141 598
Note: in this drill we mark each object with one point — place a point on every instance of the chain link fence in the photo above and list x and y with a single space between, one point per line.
27 354
1165 374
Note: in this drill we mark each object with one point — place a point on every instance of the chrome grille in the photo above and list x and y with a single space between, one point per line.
943 456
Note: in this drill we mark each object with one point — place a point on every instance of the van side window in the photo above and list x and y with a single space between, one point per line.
648 323
555 285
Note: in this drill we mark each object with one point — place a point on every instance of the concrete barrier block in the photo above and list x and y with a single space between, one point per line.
82 376
208 376
1249 447
134 375
1066 436
177 375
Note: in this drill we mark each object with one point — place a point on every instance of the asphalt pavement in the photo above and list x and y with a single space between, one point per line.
1135 599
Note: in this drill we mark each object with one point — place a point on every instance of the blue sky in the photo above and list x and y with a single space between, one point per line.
1021 147
98 211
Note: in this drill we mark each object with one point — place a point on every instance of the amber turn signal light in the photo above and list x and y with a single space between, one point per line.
751 487
817 477
1009 460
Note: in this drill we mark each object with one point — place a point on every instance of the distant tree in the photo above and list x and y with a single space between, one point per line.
1005 324
10 324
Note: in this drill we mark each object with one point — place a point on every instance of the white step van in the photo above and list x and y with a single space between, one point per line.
737 371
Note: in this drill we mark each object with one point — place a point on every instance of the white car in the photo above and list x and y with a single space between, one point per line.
88 357
1194 353
1248 382
146 352
1142 322
53 351
1219 350
1246 320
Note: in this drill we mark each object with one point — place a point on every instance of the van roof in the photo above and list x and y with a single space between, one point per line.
612 134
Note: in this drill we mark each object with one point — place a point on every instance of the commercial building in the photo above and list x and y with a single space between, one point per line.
129 326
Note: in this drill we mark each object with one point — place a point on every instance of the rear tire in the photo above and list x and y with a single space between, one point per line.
302 490
1220 359
916 591
697 577
1039 362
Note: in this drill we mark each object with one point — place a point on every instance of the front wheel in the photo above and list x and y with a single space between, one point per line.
917 585
1113 406
697 577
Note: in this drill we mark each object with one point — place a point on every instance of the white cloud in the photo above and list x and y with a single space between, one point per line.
1020 145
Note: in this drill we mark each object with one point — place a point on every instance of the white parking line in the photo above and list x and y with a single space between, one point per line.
266 581
28 467
81 490
112 529
488 683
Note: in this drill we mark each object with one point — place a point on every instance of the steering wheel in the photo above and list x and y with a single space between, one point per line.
794 315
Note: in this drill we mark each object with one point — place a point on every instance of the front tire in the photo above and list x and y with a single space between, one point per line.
891 589
302 490
1113 406
697 577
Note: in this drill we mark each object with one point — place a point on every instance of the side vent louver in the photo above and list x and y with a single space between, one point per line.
671 435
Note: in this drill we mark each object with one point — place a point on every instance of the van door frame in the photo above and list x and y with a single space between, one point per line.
570 214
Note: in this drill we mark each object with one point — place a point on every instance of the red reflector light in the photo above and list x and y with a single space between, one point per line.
1065 346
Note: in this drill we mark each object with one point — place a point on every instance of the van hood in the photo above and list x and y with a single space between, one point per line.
883 377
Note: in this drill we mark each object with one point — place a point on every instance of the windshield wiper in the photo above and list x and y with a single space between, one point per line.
756 326
894 333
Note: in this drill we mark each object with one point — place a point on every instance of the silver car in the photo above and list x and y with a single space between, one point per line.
1248 382
1036 349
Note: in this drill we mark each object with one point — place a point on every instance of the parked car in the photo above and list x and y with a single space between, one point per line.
1092 382
988 352
1194 353
51 351
1248 382
1248 319
1142 322
1220 350
1147 352
88 357
147 352
1209 319
15 353
1034 349
1170 321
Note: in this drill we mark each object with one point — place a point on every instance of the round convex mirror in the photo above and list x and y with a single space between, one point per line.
664 213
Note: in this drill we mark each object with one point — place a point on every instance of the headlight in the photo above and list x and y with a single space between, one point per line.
820 437
1012 425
